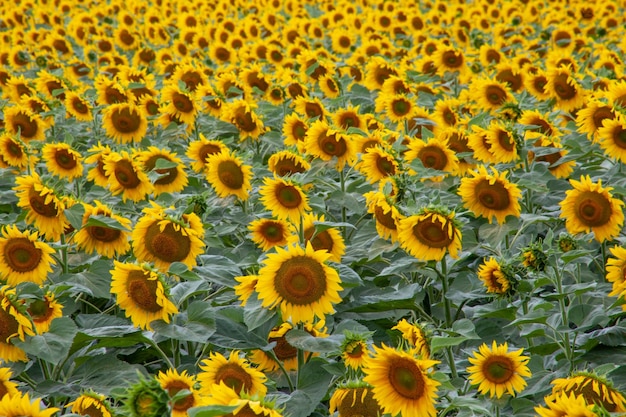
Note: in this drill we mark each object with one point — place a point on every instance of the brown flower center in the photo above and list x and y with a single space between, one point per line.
287 166
126 175
39 205
169 245
498 369
509 77
272 231
182 103
320 240
452 60
495 95
563 89
406 378
65 159
234 376
492 196
433 233
288 196
231 175
359 402
433 157
593 209
21 255
143 291
386 219
22 122
300 280
126 121
8 326
385 166
333 145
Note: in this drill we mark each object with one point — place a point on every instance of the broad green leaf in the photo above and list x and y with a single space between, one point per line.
54 345
74 215
197 324
303 340
98 220
254 314
438 343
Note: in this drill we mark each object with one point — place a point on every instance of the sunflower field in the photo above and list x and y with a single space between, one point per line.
312 208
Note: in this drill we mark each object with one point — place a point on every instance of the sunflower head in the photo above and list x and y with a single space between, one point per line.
595 389
416 337
497 277
354 349
355 398
145 398
534 257
92 404
566 243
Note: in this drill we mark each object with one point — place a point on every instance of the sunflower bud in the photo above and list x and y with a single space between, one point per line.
146 398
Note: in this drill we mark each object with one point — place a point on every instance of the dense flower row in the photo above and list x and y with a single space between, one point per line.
305 208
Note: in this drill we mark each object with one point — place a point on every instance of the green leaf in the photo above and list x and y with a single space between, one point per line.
438 343
232 334
54 345
98 220
75 215
196 325
162 163
254 314
211 410
465 327
301 339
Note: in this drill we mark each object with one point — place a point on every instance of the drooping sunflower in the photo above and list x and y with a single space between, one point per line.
490 194
496 370
144 398
20 405
14 323
324 142
126 177
91 403
228 175
385 214
124 122
612 138
286 162
284 198
246 406
172 177
141 293
162 238
401 383
267 233
62 160
173 382
15 153
199 150
433 154
593 388
102 238
355 399
328 239
29 125
494 277
23 257
235 372
430 233
44 209
43 311
565 404
7 387
416 337
589 207
565 89
377 163
299 282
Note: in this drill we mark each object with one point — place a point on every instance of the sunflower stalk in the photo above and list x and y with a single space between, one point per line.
567 347
344 217
64 264
272 354
448 314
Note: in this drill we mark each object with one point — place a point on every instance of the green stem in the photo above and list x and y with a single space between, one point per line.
448 314
344 217
564 317
64 264
162 354
283 370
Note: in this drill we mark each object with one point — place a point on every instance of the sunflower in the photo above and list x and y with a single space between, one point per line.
182 105
490 194
328 239
565 89
109 91
448 59
23 257
234 372
101 238
556 166
43 311
173 382
245 288
616 271
140 291
78 107
349 117
535 122
428 234
228 175
593 116
91 404
354 350
377 70
126 177
172 177
43 208
566 405
612 138
192 77
20 405
21 120
97 155
199 150
13 324
163 239
415 335
294 131
377 163
7 387
287 162
401 383
589 207
14 152
267 233
495 277
284 198
594 389
617 94
502 143
433 154
355 399
299 282
386 215
497 370
62 160
51 86
124 122
246 406
241 114
491 94
310 108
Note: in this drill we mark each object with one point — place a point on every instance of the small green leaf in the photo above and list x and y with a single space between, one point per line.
211 410
98 220
162 163
75 215
438 343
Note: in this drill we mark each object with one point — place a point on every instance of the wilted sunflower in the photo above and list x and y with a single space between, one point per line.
13 324
7 387
428 234
19 405
284 198
495 277
141 293
43 208
173 382
43 311
286 162
91 404
228 175
199 150
496 370
385 214
78 107
354 350
108 238
415 335
565 89
172 177
246 406
23 257
589 207
124 122
234 372
299 282
490 194
401 383
564 404
21 120
328 239
594 389
377 163
13 152
163 239
267 233
241 114
612 138
326 143
126 177
62 160
355 398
